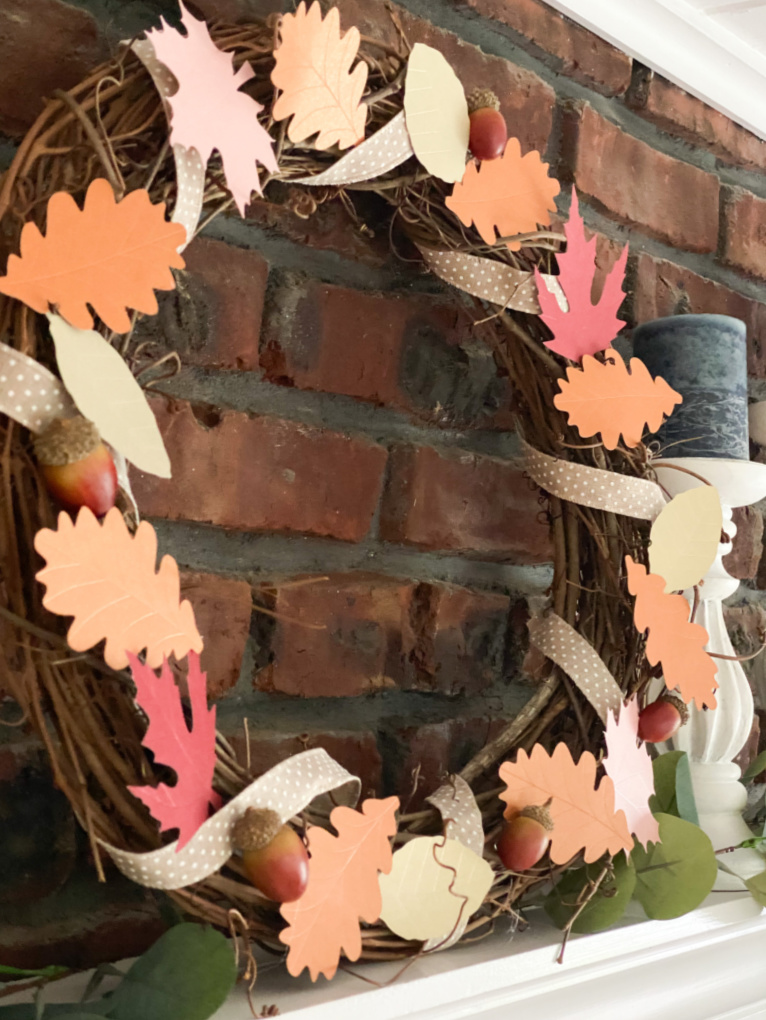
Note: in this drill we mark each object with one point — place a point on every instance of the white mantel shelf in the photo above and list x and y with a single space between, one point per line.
708 965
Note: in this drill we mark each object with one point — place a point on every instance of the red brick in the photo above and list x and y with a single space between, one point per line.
684 116
213 317
525 100
582 55
457 500
222 608
742 562
744 241
44 45
357 752
263 474
672 201
416 354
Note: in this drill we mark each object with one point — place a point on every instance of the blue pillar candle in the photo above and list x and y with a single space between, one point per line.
704 358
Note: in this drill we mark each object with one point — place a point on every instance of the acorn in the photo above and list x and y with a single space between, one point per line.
273 855
525 838
488 131
662 719
77 467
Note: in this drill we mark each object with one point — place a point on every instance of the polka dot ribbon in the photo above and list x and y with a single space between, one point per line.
485 279
288 788
383 151
588 486
462 822
190 170
29 393
579 660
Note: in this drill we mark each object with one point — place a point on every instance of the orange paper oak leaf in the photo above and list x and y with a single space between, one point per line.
189 752
673 639
110 255
609 399
584 817
343 887
107 580
510 195
320 91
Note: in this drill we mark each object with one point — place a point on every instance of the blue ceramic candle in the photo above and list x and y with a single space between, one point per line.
704 358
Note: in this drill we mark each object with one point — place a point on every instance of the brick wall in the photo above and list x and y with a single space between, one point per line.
348 510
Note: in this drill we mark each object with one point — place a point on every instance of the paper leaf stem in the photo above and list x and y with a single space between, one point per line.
510 195
320 91
673 640
584 817
190 753
343 887
685 537
629 766
209 111
586 328
107 580
106 392
606 398
110 255
437 113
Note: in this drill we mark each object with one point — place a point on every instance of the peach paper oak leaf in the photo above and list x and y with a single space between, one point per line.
209 111
629 766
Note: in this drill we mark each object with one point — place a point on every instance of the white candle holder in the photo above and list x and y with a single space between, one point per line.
712 739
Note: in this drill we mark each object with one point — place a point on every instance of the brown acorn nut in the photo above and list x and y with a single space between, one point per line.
77 467
488 132
662 719
525 838
273 855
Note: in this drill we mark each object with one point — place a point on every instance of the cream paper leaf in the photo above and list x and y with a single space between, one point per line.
435 885
437 113
105 391
684 538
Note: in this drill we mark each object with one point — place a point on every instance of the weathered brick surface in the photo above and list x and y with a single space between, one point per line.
747 550
744 235
456 500
263 474
582 55
44 45
637 185
222 609
413 353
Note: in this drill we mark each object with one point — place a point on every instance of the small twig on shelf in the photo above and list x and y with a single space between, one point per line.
592 888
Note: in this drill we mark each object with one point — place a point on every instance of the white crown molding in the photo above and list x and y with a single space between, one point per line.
686 46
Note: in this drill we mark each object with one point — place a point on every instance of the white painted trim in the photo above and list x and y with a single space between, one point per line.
687 47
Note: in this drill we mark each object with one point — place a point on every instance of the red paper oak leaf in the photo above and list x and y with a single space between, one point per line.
209 111
191 754
586 328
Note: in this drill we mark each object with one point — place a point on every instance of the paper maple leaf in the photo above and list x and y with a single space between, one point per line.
190 753
606 398
107 580
586 328
629 766
673 639
110 255
510 195
343 887
584 817
319 90
209 111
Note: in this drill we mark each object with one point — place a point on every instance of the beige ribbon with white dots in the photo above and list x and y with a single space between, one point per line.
381 152
288 789
589 486
29 393
579 660
485 278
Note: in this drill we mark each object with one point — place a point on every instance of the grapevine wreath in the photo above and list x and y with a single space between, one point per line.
108 186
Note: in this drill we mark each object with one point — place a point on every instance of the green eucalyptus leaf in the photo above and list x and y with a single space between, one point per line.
607 906
685 802
186 975
673 791
15 973
675 875
756 767
757 887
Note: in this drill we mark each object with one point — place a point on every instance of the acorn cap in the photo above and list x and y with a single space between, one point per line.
479 99
540 813
683 711
255 829
65 441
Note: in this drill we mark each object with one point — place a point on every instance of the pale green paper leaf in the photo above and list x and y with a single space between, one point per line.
436 112
684 538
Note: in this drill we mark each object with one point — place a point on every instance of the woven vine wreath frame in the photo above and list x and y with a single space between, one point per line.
114 125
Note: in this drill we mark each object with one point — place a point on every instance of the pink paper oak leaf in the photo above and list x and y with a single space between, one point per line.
209 111
629 767
586 328
190 753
